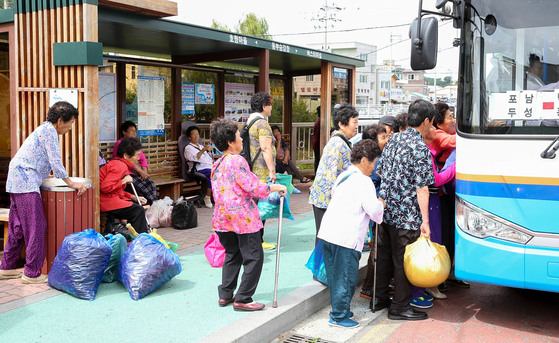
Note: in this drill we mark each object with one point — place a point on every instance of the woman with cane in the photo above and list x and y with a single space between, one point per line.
236 218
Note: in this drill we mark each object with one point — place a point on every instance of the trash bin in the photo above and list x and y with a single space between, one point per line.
66 213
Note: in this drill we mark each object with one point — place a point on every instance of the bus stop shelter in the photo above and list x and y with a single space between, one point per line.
64 44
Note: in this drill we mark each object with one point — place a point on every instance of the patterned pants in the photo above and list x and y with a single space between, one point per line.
27 225
145 188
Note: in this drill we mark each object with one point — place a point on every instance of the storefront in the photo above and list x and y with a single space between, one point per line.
118 60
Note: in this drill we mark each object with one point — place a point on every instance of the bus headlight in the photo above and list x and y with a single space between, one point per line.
482 224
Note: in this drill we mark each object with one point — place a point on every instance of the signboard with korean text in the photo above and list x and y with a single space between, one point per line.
204 94
187 98
340 73
237 101
151 104
63 94
524 105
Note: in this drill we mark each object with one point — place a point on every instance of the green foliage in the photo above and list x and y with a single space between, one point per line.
220 26
6 4
253 26
301 113
131 92
447 81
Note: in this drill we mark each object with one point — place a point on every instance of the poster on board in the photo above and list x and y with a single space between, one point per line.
187 98
151 104
107 107
205 94
237 101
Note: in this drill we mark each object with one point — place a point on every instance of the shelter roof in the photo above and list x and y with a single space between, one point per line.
181 43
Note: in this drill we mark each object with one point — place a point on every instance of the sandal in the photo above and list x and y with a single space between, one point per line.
305 180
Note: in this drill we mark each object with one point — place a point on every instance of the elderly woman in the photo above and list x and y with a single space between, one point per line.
139 173
236 218
335 160
445 140
262 147
195 152
113 179
33 162
344 227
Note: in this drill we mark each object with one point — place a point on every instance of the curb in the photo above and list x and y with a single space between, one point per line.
293 308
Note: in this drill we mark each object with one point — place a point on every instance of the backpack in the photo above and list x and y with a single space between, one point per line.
246 143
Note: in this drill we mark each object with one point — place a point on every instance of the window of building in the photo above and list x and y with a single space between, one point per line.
309 78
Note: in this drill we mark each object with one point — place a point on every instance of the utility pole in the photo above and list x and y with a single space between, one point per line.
329 15
390 84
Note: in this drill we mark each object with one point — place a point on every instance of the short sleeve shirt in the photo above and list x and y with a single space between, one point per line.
260 129
405 166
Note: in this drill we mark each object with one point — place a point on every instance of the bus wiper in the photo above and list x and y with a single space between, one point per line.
549 152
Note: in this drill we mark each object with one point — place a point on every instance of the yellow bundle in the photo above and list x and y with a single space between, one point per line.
426 264
153 233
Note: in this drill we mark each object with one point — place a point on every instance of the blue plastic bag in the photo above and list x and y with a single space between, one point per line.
316 264
118 244
269 207
147 265
80 263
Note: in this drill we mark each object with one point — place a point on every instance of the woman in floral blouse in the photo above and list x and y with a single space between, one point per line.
334 161
36 158
236 218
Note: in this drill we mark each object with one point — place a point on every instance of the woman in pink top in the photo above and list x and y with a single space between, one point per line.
236 218
445 141
141 180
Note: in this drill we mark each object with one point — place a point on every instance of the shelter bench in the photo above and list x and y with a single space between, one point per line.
164 167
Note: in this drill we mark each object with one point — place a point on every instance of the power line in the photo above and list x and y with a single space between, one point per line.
345 30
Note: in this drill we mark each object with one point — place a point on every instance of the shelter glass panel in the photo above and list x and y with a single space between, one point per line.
157 93
193 108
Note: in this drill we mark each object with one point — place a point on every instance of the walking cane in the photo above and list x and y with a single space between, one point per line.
140 203
280 221
375 268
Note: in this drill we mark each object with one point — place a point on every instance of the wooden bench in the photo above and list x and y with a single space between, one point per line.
164 167
4 216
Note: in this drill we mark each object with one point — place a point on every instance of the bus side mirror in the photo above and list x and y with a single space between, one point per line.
424 44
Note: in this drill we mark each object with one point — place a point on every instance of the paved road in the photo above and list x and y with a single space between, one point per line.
483 313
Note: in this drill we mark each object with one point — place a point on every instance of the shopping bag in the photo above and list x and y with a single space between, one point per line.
426 264
269 206
80 263
215 252
316 264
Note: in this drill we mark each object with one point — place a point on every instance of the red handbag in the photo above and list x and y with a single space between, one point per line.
215 252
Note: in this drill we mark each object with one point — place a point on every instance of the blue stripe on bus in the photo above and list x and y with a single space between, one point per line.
508 190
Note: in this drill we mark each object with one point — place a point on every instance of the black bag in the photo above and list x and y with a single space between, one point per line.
115 228
184 215
246 143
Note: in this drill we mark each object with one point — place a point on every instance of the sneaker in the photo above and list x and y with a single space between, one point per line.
427 297
268 246
420 302
366 293
10 274
208 202
350 315
346 323
435 293
33 280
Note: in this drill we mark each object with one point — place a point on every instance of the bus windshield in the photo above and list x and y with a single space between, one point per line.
510 77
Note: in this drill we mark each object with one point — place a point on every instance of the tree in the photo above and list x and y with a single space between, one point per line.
251 26
219 26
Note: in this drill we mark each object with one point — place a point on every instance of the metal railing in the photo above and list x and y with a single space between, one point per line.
302 133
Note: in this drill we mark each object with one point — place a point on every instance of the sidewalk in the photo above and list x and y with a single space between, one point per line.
183 310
